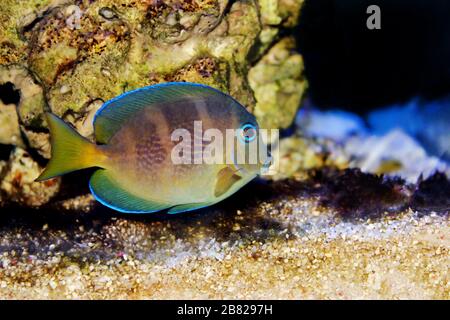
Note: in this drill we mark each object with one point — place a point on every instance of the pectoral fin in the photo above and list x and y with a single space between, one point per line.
226 178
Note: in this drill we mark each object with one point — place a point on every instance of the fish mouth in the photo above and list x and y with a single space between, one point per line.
268 162
265 167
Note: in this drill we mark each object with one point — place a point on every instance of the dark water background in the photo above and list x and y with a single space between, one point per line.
352 67
395 77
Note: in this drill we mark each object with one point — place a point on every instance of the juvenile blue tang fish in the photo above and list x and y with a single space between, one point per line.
135 149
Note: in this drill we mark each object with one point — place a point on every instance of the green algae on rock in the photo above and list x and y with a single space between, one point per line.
278 85
14 17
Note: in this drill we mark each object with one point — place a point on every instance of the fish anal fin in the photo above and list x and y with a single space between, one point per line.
189 207
109 193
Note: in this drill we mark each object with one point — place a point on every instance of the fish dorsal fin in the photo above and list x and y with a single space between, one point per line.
109 193
110 117
226 178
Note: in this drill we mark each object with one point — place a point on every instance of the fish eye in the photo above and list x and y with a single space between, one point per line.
248 132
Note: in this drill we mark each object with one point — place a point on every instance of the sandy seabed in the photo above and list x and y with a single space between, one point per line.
283 247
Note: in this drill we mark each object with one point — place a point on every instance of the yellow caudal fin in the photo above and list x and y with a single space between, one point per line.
70 151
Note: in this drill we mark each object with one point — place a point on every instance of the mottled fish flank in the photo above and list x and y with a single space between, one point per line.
133 150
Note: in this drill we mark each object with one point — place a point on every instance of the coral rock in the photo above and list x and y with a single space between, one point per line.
17 181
